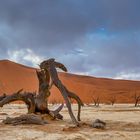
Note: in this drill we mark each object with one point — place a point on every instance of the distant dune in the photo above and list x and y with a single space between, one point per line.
15 76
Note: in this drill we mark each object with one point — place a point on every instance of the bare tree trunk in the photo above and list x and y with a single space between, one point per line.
49 65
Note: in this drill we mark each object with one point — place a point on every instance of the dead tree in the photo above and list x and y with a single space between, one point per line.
96 101
49 67
47 76
112 100
25 119
137 99
53 102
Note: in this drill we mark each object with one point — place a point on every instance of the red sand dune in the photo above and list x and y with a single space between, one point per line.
15 76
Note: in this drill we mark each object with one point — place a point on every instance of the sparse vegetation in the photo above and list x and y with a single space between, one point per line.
96 101
112 100
136 98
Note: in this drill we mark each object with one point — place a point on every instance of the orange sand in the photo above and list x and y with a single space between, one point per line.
15 76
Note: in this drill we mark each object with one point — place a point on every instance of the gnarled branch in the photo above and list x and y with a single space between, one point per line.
28 98
49 65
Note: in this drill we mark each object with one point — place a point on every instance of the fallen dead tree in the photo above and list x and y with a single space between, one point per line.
38 103
25 119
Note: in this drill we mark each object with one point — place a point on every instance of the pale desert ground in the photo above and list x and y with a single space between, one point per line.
123 123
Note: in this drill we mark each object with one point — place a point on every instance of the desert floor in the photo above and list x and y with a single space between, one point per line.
123 123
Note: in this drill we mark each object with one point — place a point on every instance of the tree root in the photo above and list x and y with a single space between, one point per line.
55 113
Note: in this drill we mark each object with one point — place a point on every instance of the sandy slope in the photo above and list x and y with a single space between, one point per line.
123 123
14 76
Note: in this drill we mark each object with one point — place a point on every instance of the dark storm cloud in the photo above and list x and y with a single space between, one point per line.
100 37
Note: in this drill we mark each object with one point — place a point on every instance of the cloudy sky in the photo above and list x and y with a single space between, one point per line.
92 37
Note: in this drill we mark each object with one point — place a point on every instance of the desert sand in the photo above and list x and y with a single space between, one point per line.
122 122
15 76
